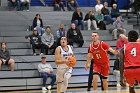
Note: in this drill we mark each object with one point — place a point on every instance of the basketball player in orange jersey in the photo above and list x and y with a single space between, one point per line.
98 51
63 71
130 61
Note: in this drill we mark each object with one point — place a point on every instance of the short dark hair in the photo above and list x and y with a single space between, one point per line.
95 32
133 36
37 14
48 27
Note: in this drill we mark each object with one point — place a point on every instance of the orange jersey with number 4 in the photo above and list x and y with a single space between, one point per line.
132 54
99 52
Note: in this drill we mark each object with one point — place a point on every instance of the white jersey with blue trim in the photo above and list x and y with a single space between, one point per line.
65 54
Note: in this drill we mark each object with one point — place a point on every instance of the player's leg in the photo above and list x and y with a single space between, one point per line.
59 79
105 83
67 76
96 71
130 75
104 73
95 81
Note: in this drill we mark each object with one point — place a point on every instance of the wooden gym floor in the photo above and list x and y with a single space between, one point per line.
80 90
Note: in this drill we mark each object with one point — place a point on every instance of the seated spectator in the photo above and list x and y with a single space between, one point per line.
5 58
74 35
72 5
61 32
12 4
58 4
105 11
118 28
77 18
35 41
48 41
46 70
100 23
114 12
98 6
25 4
90 19
38 24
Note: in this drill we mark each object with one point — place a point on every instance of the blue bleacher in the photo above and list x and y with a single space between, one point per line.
82 3
36 3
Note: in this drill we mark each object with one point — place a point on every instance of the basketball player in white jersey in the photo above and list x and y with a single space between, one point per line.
63 71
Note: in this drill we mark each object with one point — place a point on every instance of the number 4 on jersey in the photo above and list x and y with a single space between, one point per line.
133 52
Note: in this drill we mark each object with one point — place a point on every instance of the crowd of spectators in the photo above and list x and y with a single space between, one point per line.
43 39
18 5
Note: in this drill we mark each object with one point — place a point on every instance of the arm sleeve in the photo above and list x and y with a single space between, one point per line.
43 40
52 40
8 55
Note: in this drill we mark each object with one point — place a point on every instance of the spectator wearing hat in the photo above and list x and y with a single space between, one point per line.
46 70
35 41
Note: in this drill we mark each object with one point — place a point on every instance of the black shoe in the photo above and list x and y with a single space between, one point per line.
131 90
88 89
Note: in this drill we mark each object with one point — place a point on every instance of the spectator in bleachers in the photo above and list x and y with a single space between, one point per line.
35 41
72 5
5 58
12 4
46 70
100 20
38 24
58 4
98 6
114 12
106 12
118 28
77 18
90 19
74 35
48 41
25 4
61 32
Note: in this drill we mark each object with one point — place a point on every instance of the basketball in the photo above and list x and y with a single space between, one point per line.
72 61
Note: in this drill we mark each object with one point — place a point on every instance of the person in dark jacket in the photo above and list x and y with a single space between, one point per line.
38 24
58 4
12 4
77 18
90 19
105 11
115 12
35 41
5 58
72 5
75 36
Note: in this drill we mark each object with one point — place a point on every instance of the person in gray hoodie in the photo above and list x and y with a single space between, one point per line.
48 41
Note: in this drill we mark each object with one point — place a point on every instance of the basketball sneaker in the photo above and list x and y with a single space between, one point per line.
49 87
44 88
